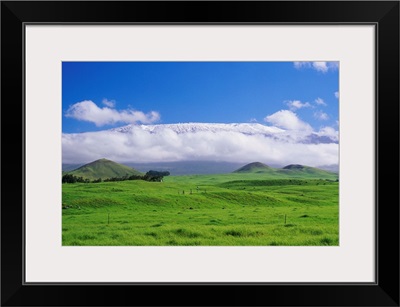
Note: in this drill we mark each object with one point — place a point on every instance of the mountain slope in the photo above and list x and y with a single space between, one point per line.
289 171
297 169
245 128
103 169
254 167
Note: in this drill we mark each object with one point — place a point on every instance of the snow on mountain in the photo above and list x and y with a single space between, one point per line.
246 128
242 128
234 143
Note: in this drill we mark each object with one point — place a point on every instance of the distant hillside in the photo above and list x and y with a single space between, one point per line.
299 169
295 167
254 167
103 169
292 170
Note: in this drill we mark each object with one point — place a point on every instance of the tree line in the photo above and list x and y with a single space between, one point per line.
154 176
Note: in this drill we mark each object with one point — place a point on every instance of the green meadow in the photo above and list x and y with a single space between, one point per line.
236 209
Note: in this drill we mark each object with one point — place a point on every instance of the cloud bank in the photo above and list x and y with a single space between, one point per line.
288 140
88 111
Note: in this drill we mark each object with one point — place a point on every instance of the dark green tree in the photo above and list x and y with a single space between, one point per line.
155 176
68 178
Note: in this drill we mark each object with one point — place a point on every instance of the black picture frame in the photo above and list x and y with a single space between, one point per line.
383 14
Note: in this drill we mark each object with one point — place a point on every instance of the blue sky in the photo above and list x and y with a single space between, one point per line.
102 95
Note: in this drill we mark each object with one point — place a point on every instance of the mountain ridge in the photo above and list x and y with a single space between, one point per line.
295 170
104 168
306 137
254 167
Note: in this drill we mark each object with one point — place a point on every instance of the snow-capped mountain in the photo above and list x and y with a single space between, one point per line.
233 143
246 128
305 137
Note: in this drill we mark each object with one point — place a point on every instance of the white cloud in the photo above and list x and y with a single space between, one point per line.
87 110
337 95
320 101
299 65
321 115
109 103
297 104
318 66
329 132
288 120
143 145
253 120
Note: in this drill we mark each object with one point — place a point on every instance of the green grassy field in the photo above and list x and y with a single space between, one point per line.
206 210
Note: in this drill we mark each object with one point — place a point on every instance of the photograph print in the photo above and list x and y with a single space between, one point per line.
200 153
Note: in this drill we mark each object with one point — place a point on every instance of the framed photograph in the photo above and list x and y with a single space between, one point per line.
240 146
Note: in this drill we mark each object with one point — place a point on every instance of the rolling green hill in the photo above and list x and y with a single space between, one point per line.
103 169
254 167
297 169
289 171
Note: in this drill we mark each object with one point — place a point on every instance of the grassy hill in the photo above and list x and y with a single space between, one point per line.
254 167
103 169
289 171
306 171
